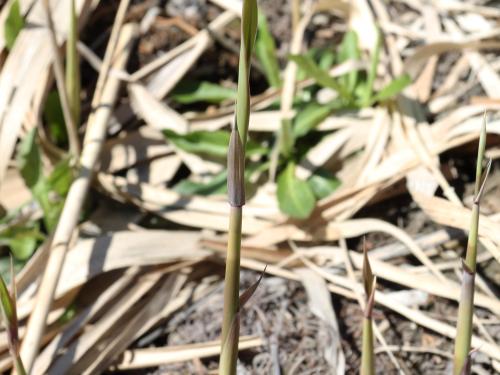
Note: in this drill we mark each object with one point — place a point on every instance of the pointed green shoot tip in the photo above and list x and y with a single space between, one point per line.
367 273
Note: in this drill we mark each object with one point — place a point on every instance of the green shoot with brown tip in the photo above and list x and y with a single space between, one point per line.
367 353
9 315
466 305
236 193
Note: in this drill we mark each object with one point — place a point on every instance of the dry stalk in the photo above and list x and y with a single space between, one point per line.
104 99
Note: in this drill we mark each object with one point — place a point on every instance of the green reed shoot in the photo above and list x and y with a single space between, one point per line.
9 315
367 352
466 304
236 193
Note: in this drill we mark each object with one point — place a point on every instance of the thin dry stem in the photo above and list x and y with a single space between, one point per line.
94 139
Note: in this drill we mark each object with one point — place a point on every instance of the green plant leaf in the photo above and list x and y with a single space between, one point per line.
392 88
349 50
29 161
323 184
217 185
212 143
13 24
187 92
295 196
22 240
312 115
265 49
249 19
54 119
321 76
52 192
372 73
48 192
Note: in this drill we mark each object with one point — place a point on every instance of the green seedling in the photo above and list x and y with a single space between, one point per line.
236 193
466 304
9 315
367 352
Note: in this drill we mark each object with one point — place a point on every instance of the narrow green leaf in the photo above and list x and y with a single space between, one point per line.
392 88
212 143
295 197
29 161
187 92
312 115
265 49
217 185
73 66
248 33
7 305
323 184
349 50
372 73
321 76
13 24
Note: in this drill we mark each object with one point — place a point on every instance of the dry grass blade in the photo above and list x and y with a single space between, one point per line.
151 357
94 139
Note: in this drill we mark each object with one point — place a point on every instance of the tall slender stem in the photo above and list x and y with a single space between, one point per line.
466 305
231 293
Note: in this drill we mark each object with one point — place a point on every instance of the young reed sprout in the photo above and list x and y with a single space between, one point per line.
9 316
236 193
367 353
466 304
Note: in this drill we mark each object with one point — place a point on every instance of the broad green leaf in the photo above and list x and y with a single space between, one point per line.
349 50
188 92
295 196
52 192
61 177
392 88
29 161
212 143
323 184
54 119
22 240
48 192
13 24
73 66
217 185
265 49
321 76
201 142
311 116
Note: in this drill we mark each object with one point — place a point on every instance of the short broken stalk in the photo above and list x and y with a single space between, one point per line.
367 353
236 194
466 305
